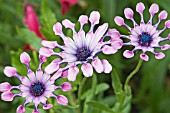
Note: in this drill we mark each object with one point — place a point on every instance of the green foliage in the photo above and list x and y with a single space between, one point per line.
30 37
149 87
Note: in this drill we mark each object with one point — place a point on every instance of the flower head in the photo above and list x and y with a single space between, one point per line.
82 49
144 36
65 5
31 20
36 88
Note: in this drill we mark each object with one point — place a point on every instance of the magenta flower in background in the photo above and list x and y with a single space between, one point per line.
144 36
82 49
31 20
36 88
65 5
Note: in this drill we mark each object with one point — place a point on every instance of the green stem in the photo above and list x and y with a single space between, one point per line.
133 73
35 57
80 89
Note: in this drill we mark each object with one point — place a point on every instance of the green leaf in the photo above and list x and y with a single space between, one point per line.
99 106
92 94
15 60
72 107
117 86
99 89
108 8
29 37
48 35
47 16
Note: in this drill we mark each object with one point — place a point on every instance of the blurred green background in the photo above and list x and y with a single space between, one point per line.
150 87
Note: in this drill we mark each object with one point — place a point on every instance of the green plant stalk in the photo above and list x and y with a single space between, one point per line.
132 74
80 89
73 102
35 57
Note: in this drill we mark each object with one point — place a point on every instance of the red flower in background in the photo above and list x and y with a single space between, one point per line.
65 5
31 20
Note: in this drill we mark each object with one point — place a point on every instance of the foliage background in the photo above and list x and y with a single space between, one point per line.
150 87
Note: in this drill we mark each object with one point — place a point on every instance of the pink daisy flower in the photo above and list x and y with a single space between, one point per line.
144 36
36 88
82 49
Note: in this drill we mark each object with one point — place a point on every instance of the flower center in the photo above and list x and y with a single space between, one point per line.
37 89
83 53
145 39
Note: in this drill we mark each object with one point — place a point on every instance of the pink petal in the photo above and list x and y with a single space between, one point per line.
26 81
165 47
144 57
140 7
117 44
64 74
78 40
128 54
70 43
108 50
49 44
72 73
97 64
68 57
56 75
39 75
159 55
119 20
113 33
57 28
83 19
10 71
45 52
98 35
31 76
87 69
154 9
167 24
25 58
52 67
7 96
42 58
163 15
107 66
20 109
47 106
5 87
61 99
94 17
68 24
35 111
128 13
66 87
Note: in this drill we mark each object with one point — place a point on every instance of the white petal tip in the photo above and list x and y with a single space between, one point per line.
144 57
61 99
119 20
128 54
159 55
25 58
10 71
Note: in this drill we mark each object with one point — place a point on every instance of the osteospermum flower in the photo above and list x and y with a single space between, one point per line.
144 36
82 49
36 88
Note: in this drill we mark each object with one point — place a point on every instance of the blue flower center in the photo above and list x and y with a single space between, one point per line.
83 53
37 89
145 39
